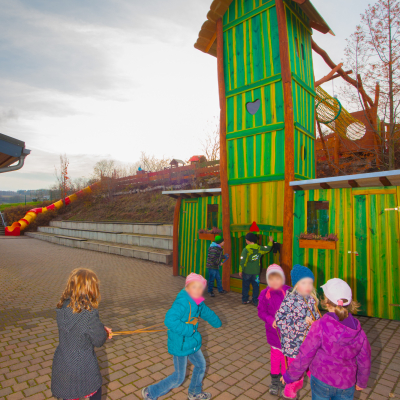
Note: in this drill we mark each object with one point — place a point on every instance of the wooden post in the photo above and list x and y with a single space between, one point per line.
226 223
287 253
175 238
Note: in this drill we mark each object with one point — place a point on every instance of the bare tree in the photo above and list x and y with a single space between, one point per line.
373 53
63 180
152 163
210 144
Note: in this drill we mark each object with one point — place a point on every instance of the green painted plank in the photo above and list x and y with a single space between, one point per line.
263 82
255 131
265 178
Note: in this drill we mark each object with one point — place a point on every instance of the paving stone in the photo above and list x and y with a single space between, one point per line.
137 293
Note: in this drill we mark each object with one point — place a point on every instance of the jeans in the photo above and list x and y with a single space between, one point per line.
248 279
178 376
213 274
322 391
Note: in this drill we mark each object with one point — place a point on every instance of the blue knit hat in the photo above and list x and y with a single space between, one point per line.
299 272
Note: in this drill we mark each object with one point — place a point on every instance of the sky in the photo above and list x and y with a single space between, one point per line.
99 79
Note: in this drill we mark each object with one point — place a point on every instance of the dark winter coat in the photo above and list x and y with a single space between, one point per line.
76 372
215 256
338 355
269 303
183 338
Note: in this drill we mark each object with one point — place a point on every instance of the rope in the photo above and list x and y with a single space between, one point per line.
329 111
148 329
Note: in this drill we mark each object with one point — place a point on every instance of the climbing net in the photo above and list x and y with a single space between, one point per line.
331 113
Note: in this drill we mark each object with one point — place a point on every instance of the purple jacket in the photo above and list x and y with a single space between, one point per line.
269 303
336 354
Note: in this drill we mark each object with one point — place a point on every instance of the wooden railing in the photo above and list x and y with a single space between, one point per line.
171 175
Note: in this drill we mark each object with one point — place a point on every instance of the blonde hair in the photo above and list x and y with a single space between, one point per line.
313 294
341 311
83 291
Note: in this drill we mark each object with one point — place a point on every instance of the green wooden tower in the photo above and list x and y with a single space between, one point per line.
268 103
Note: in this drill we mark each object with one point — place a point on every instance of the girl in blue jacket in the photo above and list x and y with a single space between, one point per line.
184 340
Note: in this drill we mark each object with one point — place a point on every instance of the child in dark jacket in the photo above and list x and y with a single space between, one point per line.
298 311
269 303
336 350
75 371
250 268
184 340
215 258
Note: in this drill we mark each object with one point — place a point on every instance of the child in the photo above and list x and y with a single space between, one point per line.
76 372
269 302
297 312
249 268
215 258
184 340
336 350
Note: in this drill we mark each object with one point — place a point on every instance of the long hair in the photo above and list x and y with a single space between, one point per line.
83 291
313 294
341 311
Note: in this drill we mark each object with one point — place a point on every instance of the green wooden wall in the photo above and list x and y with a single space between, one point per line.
253 72
192 250
367 255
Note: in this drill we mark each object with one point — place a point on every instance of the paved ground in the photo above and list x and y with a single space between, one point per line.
138 293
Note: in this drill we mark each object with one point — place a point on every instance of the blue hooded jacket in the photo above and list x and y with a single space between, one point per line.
183 338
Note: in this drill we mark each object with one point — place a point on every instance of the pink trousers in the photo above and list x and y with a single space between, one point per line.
291 389
277 362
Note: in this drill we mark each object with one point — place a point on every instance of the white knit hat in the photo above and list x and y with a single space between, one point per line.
335 290
275 269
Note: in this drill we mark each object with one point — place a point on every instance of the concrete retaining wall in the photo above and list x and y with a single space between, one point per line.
134 240
104 248
144 229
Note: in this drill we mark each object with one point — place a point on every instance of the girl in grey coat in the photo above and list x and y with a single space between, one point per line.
75 371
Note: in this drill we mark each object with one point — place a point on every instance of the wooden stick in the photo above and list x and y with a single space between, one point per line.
226 219
328 77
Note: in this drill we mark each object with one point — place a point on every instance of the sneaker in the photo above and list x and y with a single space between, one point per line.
254 304
145 394
223 292
212 294
200 396
246 302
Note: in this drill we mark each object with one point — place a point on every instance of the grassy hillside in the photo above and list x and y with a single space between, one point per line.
139 207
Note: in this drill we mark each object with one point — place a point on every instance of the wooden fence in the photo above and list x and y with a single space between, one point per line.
171 175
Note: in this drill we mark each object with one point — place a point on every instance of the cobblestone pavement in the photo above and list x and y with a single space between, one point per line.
138 293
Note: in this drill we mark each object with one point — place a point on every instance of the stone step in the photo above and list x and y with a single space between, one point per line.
124 227
144 253
142 240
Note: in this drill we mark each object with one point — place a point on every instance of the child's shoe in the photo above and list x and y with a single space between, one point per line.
145 394
200 396
275 384
212 295
223 292
246 302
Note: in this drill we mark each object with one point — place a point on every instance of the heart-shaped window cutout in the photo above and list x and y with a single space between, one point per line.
253 107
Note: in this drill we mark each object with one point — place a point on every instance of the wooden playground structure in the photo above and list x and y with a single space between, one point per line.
269 105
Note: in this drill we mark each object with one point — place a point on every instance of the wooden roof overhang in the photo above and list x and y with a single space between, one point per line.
374 179
193 193
207 43
10 150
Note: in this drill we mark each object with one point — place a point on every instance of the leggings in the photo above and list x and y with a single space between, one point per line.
96 396
277 362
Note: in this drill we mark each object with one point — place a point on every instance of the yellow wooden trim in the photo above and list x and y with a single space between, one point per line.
211 42
373 191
